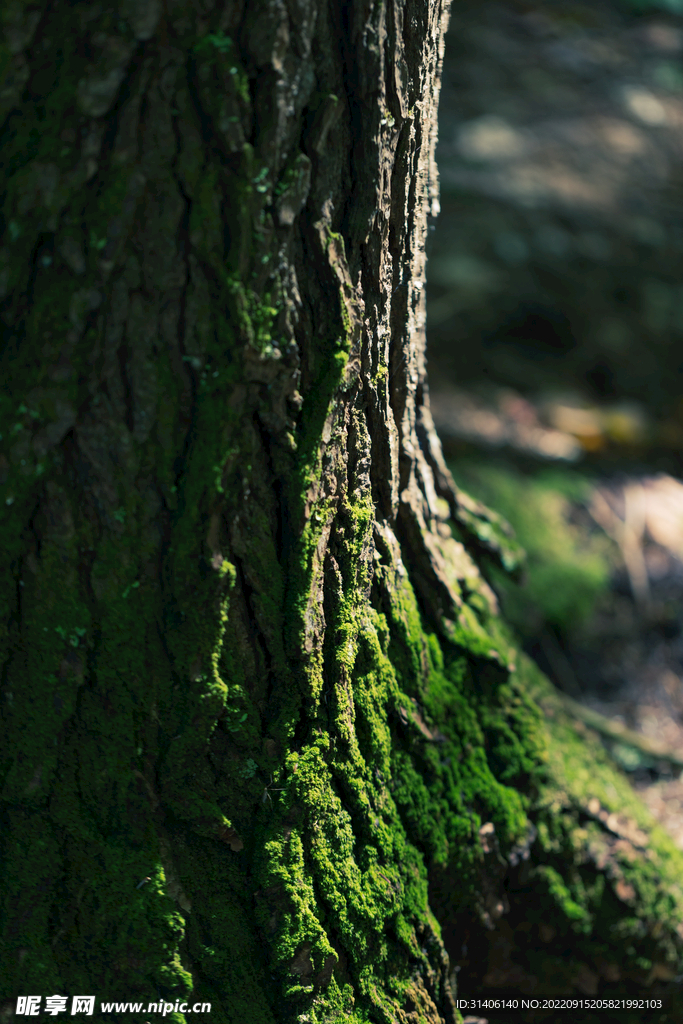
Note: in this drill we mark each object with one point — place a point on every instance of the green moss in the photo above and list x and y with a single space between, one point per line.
138 705
336 1003
218 50
599 847
255 315
566 908
216 41
378 799
90 810
566 570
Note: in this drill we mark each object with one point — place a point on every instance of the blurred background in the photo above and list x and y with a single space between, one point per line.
555 342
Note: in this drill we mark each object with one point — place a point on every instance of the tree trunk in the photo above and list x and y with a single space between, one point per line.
266 743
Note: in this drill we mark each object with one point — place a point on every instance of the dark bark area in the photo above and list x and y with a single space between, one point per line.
256 698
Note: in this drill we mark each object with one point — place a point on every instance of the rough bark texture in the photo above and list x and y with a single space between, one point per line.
260 720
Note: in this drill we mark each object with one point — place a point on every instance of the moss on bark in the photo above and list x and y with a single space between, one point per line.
265 741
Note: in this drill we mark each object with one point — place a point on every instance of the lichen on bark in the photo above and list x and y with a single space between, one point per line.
249 650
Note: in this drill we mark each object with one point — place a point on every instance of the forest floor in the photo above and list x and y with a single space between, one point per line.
555 319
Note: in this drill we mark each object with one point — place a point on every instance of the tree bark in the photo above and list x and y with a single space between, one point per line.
261 723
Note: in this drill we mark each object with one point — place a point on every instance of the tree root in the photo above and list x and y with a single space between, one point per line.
616 730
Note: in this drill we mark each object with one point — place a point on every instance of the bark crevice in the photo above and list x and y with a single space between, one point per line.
256 692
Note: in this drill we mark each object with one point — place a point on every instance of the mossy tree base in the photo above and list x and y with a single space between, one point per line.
265 741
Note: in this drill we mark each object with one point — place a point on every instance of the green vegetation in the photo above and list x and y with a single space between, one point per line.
600 853
567 568
310 774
